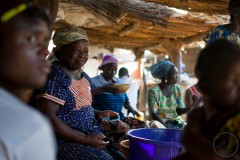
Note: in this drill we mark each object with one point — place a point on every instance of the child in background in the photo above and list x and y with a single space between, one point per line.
193 93
213 129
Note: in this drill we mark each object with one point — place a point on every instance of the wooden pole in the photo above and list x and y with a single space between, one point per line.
143 86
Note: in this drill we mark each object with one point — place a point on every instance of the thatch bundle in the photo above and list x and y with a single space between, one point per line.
110 11
204 6
156 13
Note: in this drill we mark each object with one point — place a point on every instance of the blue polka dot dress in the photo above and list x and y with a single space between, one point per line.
75 111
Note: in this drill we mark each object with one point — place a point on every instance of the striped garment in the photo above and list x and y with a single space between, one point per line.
108 101
80 88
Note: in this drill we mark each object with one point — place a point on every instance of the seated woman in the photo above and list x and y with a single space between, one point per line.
113 101
66 99
110 101
167 95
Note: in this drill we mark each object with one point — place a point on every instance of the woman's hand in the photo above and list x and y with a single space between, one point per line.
96 140
133 111
106 113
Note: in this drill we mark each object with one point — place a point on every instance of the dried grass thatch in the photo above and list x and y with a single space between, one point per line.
203 6
108 11
155 13
111 11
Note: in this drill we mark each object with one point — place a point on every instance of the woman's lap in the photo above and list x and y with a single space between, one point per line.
76 151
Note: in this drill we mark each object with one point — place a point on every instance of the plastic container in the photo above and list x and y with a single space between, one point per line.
154 143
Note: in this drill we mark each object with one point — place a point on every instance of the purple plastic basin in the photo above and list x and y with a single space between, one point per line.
154 143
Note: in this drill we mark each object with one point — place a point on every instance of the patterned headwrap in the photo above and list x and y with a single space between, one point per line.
64 36
161 69
108 59
67 35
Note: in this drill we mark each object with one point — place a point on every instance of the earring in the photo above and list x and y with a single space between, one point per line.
165 80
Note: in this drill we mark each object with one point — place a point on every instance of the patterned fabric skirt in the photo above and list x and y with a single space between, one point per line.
68 150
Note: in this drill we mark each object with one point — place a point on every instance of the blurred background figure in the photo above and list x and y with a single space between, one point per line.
228 31
132 92
212 131
184 76
25 32
193 93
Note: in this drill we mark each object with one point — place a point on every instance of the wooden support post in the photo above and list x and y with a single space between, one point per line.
143 86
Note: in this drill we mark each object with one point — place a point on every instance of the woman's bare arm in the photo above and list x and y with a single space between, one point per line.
50 109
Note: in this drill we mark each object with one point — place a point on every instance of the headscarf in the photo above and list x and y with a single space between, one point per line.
108 59
161 69
67 35
64 36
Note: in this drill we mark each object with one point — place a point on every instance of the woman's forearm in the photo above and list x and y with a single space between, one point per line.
97 90
156 117
64 131
181 111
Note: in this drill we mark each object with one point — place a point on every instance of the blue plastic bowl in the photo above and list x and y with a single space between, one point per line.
154 143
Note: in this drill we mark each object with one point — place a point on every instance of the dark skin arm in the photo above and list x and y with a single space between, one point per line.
107 88
101 114
130 109
191 102
188 98
50 109
156 117
181 111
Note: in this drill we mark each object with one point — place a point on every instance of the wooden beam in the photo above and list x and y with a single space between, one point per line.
198 37
152 47
128 29
204 6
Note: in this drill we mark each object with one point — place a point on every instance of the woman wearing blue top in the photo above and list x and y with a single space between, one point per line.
113 101
106 100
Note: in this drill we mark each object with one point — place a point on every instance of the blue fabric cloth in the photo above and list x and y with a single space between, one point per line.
82 120
161 69
221 32
108 101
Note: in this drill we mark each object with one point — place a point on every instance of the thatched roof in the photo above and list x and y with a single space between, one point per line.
141 25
